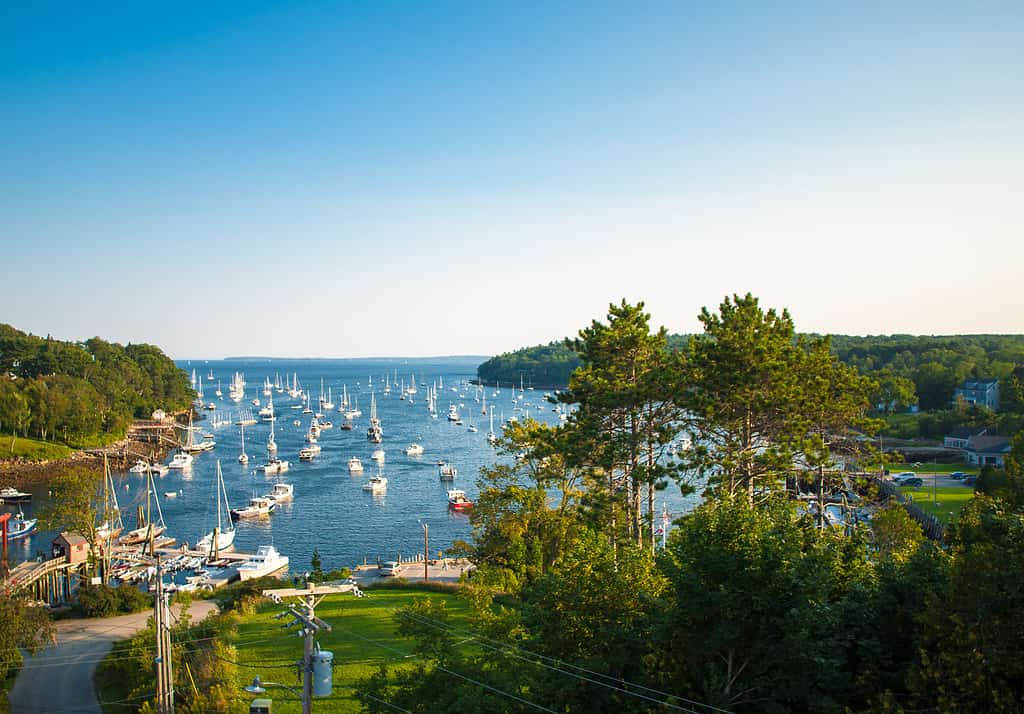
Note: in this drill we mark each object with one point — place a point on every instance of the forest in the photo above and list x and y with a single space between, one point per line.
920 370
756 603
83 393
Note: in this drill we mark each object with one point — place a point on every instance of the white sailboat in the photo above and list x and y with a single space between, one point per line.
221 537
490 434
271 444
243 458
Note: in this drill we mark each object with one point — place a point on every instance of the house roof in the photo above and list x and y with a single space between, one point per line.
965 432
989 444
977 383
73 538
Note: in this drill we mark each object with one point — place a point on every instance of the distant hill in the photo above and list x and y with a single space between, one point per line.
934 363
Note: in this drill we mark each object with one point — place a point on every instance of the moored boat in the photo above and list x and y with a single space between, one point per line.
266 562
458 501
13 495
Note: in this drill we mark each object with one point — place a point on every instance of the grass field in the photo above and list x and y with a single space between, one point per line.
362 637
948 499
31 449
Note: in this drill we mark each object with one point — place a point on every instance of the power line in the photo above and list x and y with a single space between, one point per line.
614 687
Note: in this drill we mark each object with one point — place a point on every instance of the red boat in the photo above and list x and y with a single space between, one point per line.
457 500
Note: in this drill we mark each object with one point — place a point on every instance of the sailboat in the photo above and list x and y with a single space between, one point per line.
112 525
146 529
271 444
243 458
483 410
267 412
375 433
220 538
490 434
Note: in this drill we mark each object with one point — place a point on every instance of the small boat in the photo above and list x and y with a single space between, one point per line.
472 429
13 495
259 507
310 452
171 494
376 484
378 455
266 562
453 412
210 406
355 466
274 466
243 458
414 449
180 460
282 492
347 425
457 500
158 469
220 538
141 467
447 472
20 527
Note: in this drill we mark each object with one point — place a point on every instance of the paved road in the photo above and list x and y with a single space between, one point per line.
59 678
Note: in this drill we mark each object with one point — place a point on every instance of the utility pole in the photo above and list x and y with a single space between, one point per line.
305 615
426 552
162 661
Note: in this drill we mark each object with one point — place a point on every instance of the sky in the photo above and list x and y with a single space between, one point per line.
409 179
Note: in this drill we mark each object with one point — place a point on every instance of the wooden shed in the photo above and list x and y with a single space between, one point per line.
71 546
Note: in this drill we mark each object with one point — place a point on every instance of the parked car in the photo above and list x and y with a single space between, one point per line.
970 480
912 481
901 477
390 567
958 475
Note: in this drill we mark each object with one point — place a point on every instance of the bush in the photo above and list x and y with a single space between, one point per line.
97 601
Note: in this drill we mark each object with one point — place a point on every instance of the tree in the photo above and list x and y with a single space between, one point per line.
626 414
744 377
896 535
894 391
76 503
21 627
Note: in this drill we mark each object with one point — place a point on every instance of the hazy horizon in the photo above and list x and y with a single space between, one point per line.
324 179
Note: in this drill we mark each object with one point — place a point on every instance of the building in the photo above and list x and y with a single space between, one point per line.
987 450
71 546
958 438
981 392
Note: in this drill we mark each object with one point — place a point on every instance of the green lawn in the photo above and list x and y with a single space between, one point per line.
948 499
363 629
31 449
933 468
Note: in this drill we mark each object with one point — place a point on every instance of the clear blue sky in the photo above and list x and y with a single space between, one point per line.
432 178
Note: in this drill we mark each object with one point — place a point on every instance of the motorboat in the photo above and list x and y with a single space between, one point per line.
13 495
282 492
171 494
447 472
308 453
378 455
274 466
457 500
376 484
414 450
141 467
266 562
258 507
453 413
180 460
355 466
20 527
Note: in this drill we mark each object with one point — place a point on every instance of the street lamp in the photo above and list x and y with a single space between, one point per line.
258 686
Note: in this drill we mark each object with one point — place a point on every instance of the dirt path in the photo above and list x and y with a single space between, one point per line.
59 678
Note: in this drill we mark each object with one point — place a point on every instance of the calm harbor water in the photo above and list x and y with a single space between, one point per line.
331 512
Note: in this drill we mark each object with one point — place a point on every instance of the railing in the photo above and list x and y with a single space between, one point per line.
929 523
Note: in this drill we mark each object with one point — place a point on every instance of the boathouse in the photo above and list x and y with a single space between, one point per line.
71 546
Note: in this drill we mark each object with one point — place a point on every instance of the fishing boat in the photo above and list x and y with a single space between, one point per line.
355 466
453 413
274 465
258 507
221 537
376 484
266 562
282 492
457 500
20 527
13 495
141 467
414 449
308 453
447 472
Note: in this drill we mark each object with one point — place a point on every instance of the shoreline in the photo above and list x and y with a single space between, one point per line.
19 472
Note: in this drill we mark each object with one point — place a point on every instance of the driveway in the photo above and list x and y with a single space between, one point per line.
59 678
